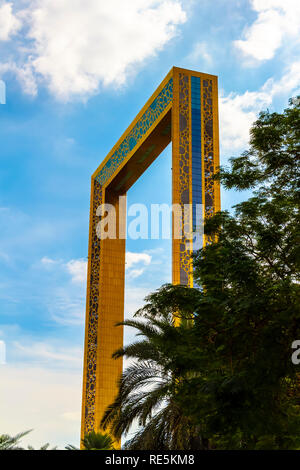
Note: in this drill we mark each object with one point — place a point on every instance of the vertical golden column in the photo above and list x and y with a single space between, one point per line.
217 190
181 174
92 312
210 138
111 311
106 276
175 176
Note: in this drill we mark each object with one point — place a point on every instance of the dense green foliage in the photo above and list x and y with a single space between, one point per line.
94 441
97 441
228 373
146 394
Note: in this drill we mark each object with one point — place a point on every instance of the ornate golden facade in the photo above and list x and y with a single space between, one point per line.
184 110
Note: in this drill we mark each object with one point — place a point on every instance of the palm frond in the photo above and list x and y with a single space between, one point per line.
97 441
147 389
10 442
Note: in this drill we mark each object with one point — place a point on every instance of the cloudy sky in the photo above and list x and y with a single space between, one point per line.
76 74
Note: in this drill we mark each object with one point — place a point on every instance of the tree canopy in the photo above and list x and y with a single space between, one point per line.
237 381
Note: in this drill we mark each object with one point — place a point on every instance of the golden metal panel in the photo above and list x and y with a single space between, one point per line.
171 121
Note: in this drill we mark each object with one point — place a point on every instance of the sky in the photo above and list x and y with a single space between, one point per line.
76 73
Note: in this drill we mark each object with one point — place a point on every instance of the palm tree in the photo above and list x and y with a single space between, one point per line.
11 442
43 447
71 447
95 441
147 392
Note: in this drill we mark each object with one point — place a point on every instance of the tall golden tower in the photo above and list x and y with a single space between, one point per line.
184 110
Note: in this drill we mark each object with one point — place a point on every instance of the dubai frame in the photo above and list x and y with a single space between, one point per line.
184 110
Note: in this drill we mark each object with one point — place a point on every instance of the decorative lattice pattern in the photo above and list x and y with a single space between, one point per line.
196 146
137 133
208 148
184 172
195 155
92 321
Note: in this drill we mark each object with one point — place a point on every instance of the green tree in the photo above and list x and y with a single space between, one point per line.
231 367
95 441
8 442
43 447
147 393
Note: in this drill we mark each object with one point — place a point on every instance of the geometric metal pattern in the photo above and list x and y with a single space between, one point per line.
184 172
93 308
183 110
136 134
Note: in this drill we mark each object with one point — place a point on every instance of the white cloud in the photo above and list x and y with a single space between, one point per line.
24 74
42 352
133 259
238 112
134 299
9 23
66 302
277 20
76 46
78 270
48 261
289 82
199 52
135 273
67 305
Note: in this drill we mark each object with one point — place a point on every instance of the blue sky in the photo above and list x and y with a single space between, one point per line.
76 74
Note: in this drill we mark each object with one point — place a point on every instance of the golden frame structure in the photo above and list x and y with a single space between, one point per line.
184 110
